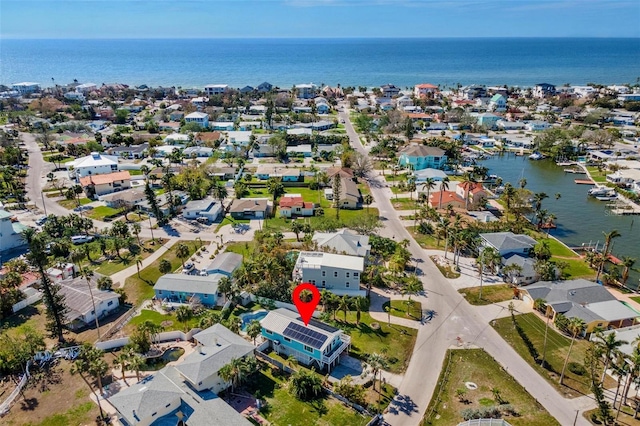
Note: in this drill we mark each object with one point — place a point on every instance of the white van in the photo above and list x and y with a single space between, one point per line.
80 239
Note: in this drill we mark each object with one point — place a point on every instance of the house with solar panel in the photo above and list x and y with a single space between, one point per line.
340 274
315 345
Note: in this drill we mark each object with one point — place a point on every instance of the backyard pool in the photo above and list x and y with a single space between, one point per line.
250 316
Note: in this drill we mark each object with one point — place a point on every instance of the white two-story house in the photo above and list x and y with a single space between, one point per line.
337 273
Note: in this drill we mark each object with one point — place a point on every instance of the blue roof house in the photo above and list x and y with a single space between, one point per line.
418 157
316 345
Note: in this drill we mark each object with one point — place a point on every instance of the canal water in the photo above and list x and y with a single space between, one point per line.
581 219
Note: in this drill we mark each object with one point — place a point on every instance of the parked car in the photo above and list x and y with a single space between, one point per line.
187 267
203 273
81 239
41 221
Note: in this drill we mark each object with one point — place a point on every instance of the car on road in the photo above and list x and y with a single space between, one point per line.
41 221
203 273
81 239
187 268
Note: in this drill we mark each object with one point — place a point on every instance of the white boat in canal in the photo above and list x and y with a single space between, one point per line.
607 197
536 156
602 192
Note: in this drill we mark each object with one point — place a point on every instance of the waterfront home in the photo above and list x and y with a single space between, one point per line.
473 91
349 197
207 208
10 232
199 118
216 347
424 90
340 274
225 263
587 300
292 205
624 177
516 141
93 164
389 90
508 242
185 288
498 103
542 90
305 91
343 242
96 185
85 304
418 157
249 208
26 87
216 89
316 344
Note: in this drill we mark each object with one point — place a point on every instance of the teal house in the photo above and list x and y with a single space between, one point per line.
316 345
419 157
488 120
185 288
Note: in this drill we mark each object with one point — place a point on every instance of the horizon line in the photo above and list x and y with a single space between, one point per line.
321 38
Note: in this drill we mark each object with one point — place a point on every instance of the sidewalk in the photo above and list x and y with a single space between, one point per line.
120 277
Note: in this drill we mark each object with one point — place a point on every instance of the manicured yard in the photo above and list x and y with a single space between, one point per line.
169 320
404 203
475 365
490 294
140 288
533 329
425 241
101 212
597 176
282 408
117 264
72 204
577 268
394 340
399 308
347 217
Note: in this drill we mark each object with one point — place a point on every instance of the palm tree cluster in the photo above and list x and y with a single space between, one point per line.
332 303
238 370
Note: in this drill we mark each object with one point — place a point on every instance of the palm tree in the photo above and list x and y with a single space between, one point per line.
522 183
361 304
508 195
90 362
254 329
122 361
136 228
209 319
275 188
610 347
343 305
138 260
367 200
136 362
486 258
412 287
538 197
183 314
377 362
627 263
444 186
468 183
576 326
428 185
182 251
608 237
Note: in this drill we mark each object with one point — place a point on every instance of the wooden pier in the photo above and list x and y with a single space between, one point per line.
584 182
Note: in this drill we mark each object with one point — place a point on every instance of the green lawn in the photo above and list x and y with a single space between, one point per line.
490 294
171 323
282 408
425 241
393 340
533 328
72 204
228 220
140 288
347 217
117 264
399 309
475 365
559 249
101 212
404 203
597 176
577 268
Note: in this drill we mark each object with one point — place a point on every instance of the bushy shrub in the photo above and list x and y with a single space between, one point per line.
577 368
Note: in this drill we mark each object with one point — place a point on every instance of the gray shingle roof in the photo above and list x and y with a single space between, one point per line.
417 150
508 240
344 242
226 262
189 283
77 297
526 263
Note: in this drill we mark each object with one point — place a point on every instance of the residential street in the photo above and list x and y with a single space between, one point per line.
454 321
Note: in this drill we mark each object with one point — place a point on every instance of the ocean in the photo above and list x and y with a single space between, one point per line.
349 62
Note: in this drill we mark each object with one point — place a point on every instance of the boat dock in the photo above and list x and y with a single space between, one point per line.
584 182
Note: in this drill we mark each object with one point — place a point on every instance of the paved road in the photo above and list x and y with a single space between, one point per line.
454 321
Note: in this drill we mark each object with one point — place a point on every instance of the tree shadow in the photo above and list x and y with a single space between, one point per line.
29 404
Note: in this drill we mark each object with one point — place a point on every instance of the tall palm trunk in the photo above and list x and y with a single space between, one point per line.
566 360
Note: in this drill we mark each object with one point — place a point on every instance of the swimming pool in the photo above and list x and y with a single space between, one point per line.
250 316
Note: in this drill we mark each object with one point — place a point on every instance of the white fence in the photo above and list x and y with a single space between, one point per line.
4 407
28 301
164 336
279 304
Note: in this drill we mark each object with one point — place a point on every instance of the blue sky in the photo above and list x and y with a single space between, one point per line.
318 18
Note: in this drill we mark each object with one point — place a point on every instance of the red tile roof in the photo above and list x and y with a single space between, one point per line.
106 178
447 197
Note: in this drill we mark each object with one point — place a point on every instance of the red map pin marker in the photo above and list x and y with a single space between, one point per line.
305 309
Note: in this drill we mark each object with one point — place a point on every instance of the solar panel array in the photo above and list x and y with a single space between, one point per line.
305 335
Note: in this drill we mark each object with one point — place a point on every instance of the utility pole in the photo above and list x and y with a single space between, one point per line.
44 206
